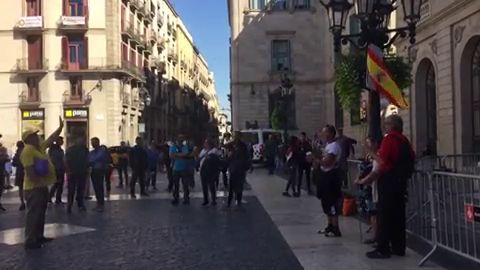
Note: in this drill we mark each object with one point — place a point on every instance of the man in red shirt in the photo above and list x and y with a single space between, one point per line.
396 160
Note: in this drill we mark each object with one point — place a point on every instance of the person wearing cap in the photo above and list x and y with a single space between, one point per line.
39 174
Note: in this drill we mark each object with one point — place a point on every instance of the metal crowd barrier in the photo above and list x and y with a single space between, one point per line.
443 208
464 163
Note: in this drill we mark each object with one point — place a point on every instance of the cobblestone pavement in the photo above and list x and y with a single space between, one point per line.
152 234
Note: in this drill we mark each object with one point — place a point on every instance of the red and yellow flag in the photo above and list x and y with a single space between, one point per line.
380 79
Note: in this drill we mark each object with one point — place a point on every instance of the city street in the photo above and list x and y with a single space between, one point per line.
270 232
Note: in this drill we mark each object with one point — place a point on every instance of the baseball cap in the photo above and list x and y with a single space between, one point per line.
29 132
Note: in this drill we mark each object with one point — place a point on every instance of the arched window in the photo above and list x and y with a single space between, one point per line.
426 108
431 107
475 94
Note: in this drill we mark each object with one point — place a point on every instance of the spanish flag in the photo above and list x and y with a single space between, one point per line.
380 79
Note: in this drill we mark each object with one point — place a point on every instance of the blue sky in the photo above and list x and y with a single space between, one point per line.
207 22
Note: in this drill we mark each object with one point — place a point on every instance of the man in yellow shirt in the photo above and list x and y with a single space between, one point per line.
39 174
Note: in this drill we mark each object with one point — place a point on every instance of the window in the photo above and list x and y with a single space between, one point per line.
34 7
33 92
281 55
279 4
76 53
75 8
302 4
76 88
257 4
475 94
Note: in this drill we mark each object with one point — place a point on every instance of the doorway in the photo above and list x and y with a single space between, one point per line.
77 129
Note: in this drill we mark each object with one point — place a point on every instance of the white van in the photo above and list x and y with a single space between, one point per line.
256 138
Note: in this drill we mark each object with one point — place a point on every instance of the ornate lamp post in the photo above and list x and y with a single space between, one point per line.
374 16
286 92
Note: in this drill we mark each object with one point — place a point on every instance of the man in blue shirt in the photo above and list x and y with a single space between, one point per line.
98 162
181 156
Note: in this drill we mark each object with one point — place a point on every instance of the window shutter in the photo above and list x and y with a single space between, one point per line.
85 47
64 52
64 7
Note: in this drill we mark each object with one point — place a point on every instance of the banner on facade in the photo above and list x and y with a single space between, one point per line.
34 119
33 114
30 22
73 20
472 213
76 113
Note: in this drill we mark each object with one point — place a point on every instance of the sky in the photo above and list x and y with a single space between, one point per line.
207 22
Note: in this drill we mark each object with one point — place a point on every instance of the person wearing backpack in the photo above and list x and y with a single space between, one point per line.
396 164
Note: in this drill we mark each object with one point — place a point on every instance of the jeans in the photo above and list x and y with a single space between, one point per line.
270 165
292 179
98 179
57 188
209 184
37 201
108 178
238 195
140 176
76 188
306 167
122 169
183 175
152 178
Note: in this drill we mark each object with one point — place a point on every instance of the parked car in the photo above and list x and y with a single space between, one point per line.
255 139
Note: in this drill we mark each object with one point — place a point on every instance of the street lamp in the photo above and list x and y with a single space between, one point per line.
374 16
286 92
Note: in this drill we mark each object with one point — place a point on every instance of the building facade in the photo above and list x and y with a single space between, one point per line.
103 65
268 40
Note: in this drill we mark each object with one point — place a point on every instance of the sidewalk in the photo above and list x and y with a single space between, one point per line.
299 219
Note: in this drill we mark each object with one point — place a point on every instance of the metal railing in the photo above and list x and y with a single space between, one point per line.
443 208
24 64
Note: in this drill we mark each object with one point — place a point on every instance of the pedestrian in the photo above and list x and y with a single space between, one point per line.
210 166
109 170
292 167
191 164
8 172
77 163
39 174
239 163
347 146
19 173
271 147
180 155
368 183
139 164
167 161
153 161
223 168
304 164
396 159
329 185
3 160
57 156
98 162
122 168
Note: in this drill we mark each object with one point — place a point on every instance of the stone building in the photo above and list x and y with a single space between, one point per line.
97 63
273 38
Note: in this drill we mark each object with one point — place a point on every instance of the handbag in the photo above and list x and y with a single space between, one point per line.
40 167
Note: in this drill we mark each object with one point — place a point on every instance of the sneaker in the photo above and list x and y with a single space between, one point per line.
82 209
133 196
144 194
334 232
88 198
369 241
59 203
22 207
327 229
377 254
33 246
286 194
44 240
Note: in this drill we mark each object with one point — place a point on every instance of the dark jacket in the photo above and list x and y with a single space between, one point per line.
76 158
211 166
304 148
138 158
57 156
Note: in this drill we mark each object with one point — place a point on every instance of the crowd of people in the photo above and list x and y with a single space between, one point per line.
386 167
43 166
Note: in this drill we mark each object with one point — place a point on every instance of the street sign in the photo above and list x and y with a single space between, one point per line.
472 213
76 113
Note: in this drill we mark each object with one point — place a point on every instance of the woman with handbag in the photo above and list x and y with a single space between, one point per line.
39 174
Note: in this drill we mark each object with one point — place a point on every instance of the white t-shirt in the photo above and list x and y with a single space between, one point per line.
334 149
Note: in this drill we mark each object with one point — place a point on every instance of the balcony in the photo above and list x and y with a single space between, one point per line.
160 64
73 23
25 101
75 101
183 65
127 30
126 99
153 36
135 38
159 20
169 28
142 10
149 15
172 57
132 70
134 4
31 24
90 65
161 43
31 67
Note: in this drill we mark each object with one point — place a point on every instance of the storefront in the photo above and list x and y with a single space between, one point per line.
76 123
34 119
